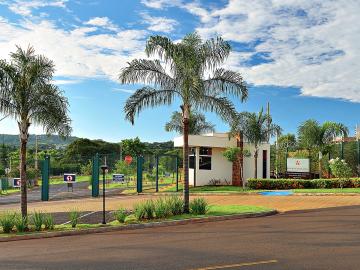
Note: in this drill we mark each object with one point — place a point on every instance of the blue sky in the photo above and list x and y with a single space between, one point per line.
301 56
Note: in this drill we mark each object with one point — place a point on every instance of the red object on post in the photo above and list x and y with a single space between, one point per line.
128 159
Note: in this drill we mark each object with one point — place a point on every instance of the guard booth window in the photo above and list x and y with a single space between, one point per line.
192 158
205 158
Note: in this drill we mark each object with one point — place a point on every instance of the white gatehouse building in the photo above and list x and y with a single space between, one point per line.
208 166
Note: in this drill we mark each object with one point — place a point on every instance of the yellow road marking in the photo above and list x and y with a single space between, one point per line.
236 265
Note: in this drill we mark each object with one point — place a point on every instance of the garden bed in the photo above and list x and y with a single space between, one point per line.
215 212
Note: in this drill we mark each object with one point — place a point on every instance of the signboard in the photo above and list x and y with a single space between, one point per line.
16 182
118 177
69 178
298 165
128 159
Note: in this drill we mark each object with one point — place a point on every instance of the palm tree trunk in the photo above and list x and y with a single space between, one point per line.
24 128
186 113
241 157
255 159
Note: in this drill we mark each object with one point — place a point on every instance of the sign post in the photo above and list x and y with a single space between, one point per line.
16 182
70 178
118 177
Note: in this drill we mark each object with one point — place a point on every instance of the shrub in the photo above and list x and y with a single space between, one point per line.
176 205
162 208
120 215
74 217
37 220
270 184
21 223
7 222
49 222
144 210
339 168
199 206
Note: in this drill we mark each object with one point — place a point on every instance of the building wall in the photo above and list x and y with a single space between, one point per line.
221 168
249 163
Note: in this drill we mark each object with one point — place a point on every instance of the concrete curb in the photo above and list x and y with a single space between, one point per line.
134 226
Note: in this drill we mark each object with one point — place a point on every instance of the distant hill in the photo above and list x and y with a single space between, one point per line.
54 140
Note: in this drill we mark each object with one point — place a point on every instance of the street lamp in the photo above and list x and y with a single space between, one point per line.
104 169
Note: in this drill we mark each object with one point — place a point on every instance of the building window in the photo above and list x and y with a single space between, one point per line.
191 162
205 158
192 158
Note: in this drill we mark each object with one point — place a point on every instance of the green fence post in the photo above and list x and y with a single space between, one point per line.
157 174
177 173
95 176
45 179
139 174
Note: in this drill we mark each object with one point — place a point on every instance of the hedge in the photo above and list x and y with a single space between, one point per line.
300 183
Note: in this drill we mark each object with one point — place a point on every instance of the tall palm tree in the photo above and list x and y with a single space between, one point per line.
256 128
28 95
313 135
179 72
197 123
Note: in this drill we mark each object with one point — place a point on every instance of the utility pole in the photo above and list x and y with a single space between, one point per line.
268 121
36 161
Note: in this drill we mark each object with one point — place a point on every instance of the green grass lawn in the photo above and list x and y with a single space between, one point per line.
9 191
216 189
57 180
235 189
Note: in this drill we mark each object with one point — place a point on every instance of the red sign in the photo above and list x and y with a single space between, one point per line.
128 159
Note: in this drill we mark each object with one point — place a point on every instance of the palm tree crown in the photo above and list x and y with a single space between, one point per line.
180 71
197 124
28 95
256 128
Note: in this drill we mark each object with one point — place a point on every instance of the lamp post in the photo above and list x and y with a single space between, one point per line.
104 169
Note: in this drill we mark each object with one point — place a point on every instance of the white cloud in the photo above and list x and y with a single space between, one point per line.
25 7
65 82
77 53
314 45
159 24
104 22
160 4
122 90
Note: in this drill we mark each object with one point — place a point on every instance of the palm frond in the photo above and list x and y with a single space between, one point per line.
227 82
161 46
214 52
51 111
147 97
220 105
146 72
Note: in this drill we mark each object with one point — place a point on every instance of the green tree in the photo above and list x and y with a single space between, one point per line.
133 147
179 72
197 123
312 135
28 95
256 128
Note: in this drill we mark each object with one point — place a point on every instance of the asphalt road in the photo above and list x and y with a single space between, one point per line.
316 239
56 193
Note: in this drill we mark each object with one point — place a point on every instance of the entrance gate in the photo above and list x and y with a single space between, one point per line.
140 169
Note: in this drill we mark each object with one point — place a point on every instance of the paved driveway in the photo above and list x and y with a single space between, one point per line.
316 239
280 203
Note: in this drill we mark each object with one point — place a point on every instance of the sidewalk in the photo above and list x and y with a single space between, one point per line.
280 203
